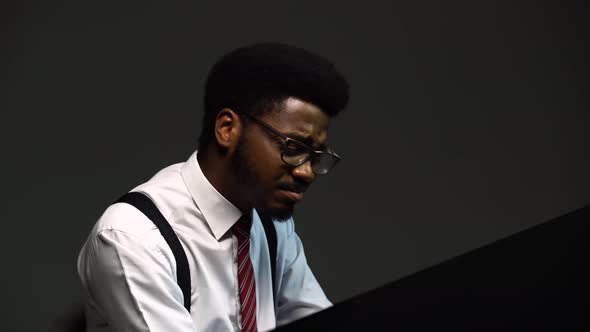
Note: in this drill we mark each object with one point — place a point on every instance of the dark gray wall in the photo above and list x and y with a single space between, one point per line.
467 123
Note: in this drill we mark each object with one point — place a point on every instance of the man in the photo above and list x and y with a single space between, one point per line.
267 110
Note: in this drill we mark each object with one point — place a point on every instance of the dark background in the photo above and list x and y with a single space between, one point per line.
467 123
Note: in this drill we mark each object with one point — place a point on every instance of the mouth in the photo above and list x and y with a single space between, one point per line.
291 193
293 196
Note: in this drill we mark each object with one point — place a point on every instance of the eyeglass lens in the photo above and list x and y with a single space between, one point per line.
321 163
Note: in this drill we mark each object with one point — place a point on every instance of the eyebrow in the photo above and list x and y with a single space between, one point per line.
307 140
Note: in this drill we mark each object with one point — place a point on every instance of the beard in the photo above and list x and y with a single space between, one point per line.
281 215
246 178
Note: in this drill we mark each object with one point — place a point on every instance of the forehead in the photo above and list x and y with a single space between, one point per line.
300 120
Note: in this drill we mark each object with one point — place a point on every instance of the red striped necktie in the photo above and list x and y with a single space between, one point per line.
246 274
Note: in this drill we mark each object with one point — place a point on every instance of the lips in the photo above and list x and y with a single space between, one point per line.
291 192
292 195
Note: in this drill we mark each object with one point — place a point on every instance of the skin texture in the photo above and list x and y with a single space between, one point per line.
244 164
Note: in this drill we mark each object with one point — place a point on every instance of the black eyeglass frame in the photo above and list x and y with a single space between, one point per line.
310 152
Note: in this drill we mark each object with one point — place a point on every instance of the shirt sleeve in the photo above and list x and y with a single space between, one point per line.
131 283
299 294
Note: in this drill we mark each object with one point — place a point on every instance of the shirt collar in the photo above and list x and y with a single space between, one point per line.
219 213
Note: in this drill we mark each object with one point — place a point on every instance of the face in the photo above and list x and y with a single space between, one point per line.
273 186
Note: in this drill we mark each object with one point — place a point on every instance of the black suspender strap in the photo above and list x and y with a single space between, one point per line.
271 238
149 209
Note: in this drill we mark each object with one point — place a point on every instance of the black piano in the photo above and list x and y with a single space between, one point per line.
537 279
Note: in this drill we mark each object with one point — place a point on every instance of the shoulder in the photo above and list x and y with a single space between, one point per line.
166 189
122 218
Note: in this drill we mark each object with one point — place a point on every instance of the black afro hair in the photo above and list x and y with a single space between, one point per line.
253 79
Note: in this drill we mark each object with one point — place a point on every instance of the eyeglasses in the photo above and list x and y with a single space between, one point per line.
295 153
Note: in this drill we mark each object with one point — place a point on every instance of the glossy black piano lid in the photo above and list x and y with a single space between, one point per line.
537 279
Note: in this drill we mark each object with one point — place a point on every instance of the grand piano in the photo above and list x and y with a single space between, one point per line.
537 279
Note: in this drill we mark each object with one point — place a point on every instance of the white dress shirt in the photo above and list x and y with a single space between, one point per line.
128 270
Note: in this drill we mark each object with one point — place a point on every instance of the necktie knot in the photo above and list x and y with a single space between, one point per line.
243 226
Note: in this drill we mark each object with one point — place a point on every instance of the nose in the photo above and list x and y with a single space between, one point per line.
304 172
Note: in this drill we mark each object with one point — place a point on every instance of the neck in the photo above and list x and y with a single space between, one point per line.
216 166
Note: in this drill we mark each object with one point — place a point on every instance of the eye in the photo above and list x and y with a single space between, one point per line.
293 149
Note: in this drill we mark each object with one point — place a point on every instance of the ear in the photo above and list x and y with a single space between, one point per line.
228 128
